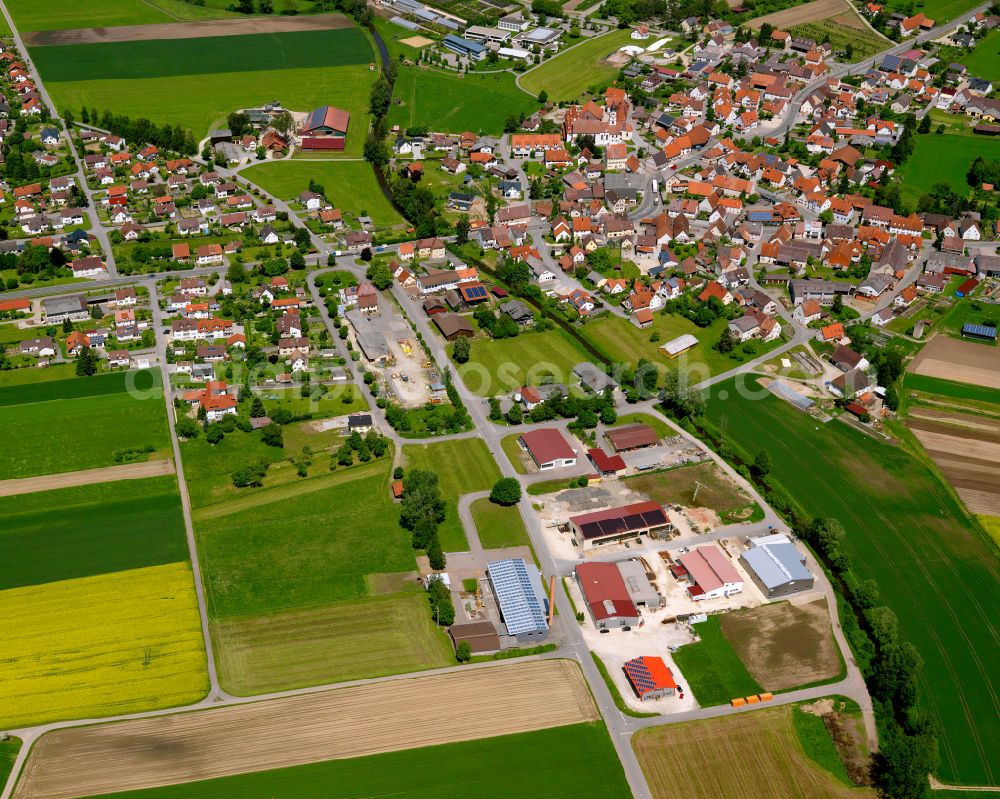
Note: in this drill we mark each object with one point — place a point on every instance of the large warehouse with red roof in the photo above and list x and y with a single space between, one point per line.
548 449
617 524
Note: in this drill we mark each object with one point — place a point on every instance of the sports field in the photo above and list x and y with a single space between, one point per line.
100 645
305 729
349 186
75 430
749 756
575 70
172 81
577 760
907 531
462 466
943 159
91 530
498 366
452 103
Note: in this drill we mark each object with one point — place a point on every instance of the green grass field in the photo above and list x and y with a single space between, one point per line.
938 10
392 34
462 466
943 159
575 70
174 82
713 670
283 554
984 59
951 389
625 343
30 15
349 185
498 366
23 377
374 637
65 435
906 530
578 760
8 754
677 486
499 526
89 530
75 387
448 102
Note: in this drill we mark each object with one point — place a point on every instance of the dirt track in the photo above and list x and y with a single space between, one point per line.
349 722
962 361
48 482
188 30
799 15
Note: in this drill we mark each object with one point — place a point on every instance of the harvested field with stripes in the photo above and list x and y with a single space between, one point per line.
307 728
961 361
966 449
800 15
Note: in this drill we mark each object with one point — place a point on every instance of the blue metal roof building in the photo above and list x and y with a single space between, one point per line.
474 50
983 332
524 606
776 566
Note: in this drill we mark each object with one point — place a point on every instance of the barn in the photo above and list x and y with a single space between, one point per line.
631 437
776 566
548 449
617 524
650 677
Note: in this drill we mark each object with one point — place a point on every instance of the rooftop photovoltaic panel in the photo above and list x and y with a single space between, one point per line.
475 292
517 586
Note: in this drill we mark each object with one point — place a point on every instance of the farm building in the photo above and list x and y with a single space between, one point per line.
678 345
776 566
637 583
633 436
548 449
710 574
650 677
58 309
453 326
481 636
967 287
606 595
616 524
979 332
524 606
326 121
605 464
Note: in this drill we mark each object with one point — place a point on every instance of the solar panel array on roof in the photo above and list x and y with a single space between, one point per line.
475 292
520 595
623 524
982 331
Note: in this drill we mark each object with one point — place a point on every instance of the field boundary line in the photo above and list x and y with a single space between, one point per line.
105 474
285 491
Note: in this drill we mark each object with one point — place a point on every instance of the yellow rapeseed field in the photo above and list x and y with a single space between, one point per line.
991 524
100 646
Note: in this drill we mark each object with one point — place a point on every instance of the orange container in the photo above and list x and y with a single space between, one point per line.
753 700
738 701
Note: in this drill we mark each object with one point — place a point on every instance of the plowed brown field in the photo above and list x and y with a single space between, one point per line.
346 722
961 361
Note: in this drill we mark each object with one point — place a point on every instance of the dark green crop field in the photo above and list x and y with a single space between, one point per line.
77 387
906 530
91 530
560 763
164 58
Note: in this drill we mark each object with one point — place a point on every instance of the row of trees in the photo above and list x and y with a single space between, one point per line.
422 512
139 131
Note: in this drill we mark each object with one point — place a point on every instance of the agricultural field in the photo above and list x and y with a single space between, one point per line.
290 573
578 759
713 671
394 35
801 14
70 431
101 645
938 10
499 526
938 390
943 159
958 361
350 186
462 466
344 723
498 366
784 646
908 532
90 530
449 102
716 492
966 448
625 343
8 754
171 81
30 15
843 30
751 755
578 68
